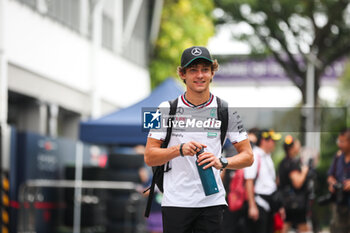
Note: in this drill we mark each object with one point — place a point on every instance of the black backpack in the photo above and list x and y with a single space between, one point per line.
158 171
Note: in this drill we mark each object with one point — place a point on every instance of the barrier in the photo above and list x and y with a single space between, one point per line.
32 199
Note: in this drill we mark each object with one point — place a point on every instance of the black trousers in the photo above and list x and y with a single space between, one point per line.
263 225
192 220
235 221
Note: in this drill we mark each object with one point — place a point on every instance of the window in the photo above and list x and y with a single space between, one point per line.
30 3
107 32
66 12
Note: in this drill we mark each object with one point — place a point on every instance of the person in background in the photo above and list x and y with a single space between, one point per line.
293 179
339 184
252 136
236 220
261 184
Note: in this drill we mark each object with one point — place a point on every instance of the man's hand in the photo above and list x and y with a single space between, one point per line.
253 212
331 181
346 184
191 148
282 212
209 158
156 156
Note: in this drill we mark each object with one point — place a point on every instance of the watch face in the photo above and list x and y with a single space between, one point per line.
223 161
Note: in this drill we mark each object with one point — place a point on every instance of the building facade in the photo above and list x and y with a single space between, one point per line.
67 60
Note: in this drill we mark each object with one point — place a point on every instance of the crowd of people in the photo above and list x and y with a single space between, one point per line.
278 202
271 198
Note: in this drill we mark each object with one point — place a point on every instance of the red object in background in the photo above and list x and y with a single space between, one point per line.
236 195
47 216
102 161
277 222
48 145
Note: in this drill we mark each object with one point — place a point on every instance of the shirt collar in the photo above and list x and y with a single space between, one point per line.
203 105
261 151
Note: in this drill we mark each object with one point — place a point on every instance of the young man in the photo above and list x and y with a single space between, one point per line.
185 207
261 184
339 176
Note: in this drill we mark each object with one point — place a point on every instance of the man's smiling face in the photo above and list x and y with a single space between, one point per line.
198 76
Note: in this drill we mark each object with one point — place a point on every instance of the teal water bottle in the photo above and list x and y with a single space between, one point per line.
207 177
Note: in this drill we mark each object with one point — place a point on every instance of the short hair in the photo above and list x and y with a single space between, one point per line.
288 143
254 131
345 132
214 66
265 134
259 136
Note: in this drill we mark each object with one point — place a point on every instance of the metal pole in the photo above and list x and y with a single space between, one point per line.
117 185
310 100
3 99
77 189
95 47
312 128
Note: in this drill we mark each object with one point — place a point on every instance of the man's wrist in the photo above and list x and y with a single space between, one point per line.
252 204
180 149
223 162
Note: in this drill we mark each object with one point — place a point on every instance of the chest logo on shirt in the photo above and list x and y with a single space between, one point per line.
213 112
180 110
212 135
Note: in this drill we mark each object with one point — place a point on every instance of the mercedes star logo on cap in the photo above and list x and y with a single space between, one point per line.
196 52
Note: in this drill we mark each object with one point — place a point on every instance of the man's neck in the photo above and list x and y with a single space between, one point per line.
347 157
265 150
197 98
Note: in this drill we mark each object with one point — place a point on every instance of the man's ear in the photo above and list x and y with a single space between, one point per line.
182 76
213 73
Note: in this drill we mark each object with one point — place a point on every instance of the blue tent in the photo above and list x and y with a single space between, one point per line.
124 127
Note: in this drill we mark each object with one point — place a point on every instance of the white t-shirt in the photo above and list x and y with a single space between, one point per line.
265 182
182 184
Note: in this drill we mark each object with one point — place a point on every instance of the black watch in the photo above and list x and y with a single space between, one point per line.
223 162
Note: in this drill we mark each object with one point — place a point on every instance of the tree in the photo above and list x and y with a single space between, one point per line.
343 90
344 87
184 23
295 32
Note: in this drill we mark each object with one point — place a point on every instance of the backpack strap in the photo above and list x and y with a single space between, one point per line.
173 106
151 191
172 112
222 111
160 169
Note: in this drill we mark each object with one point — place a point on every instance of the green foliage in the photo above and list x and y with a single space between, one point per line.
285 28
184 23
343 91
344 87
